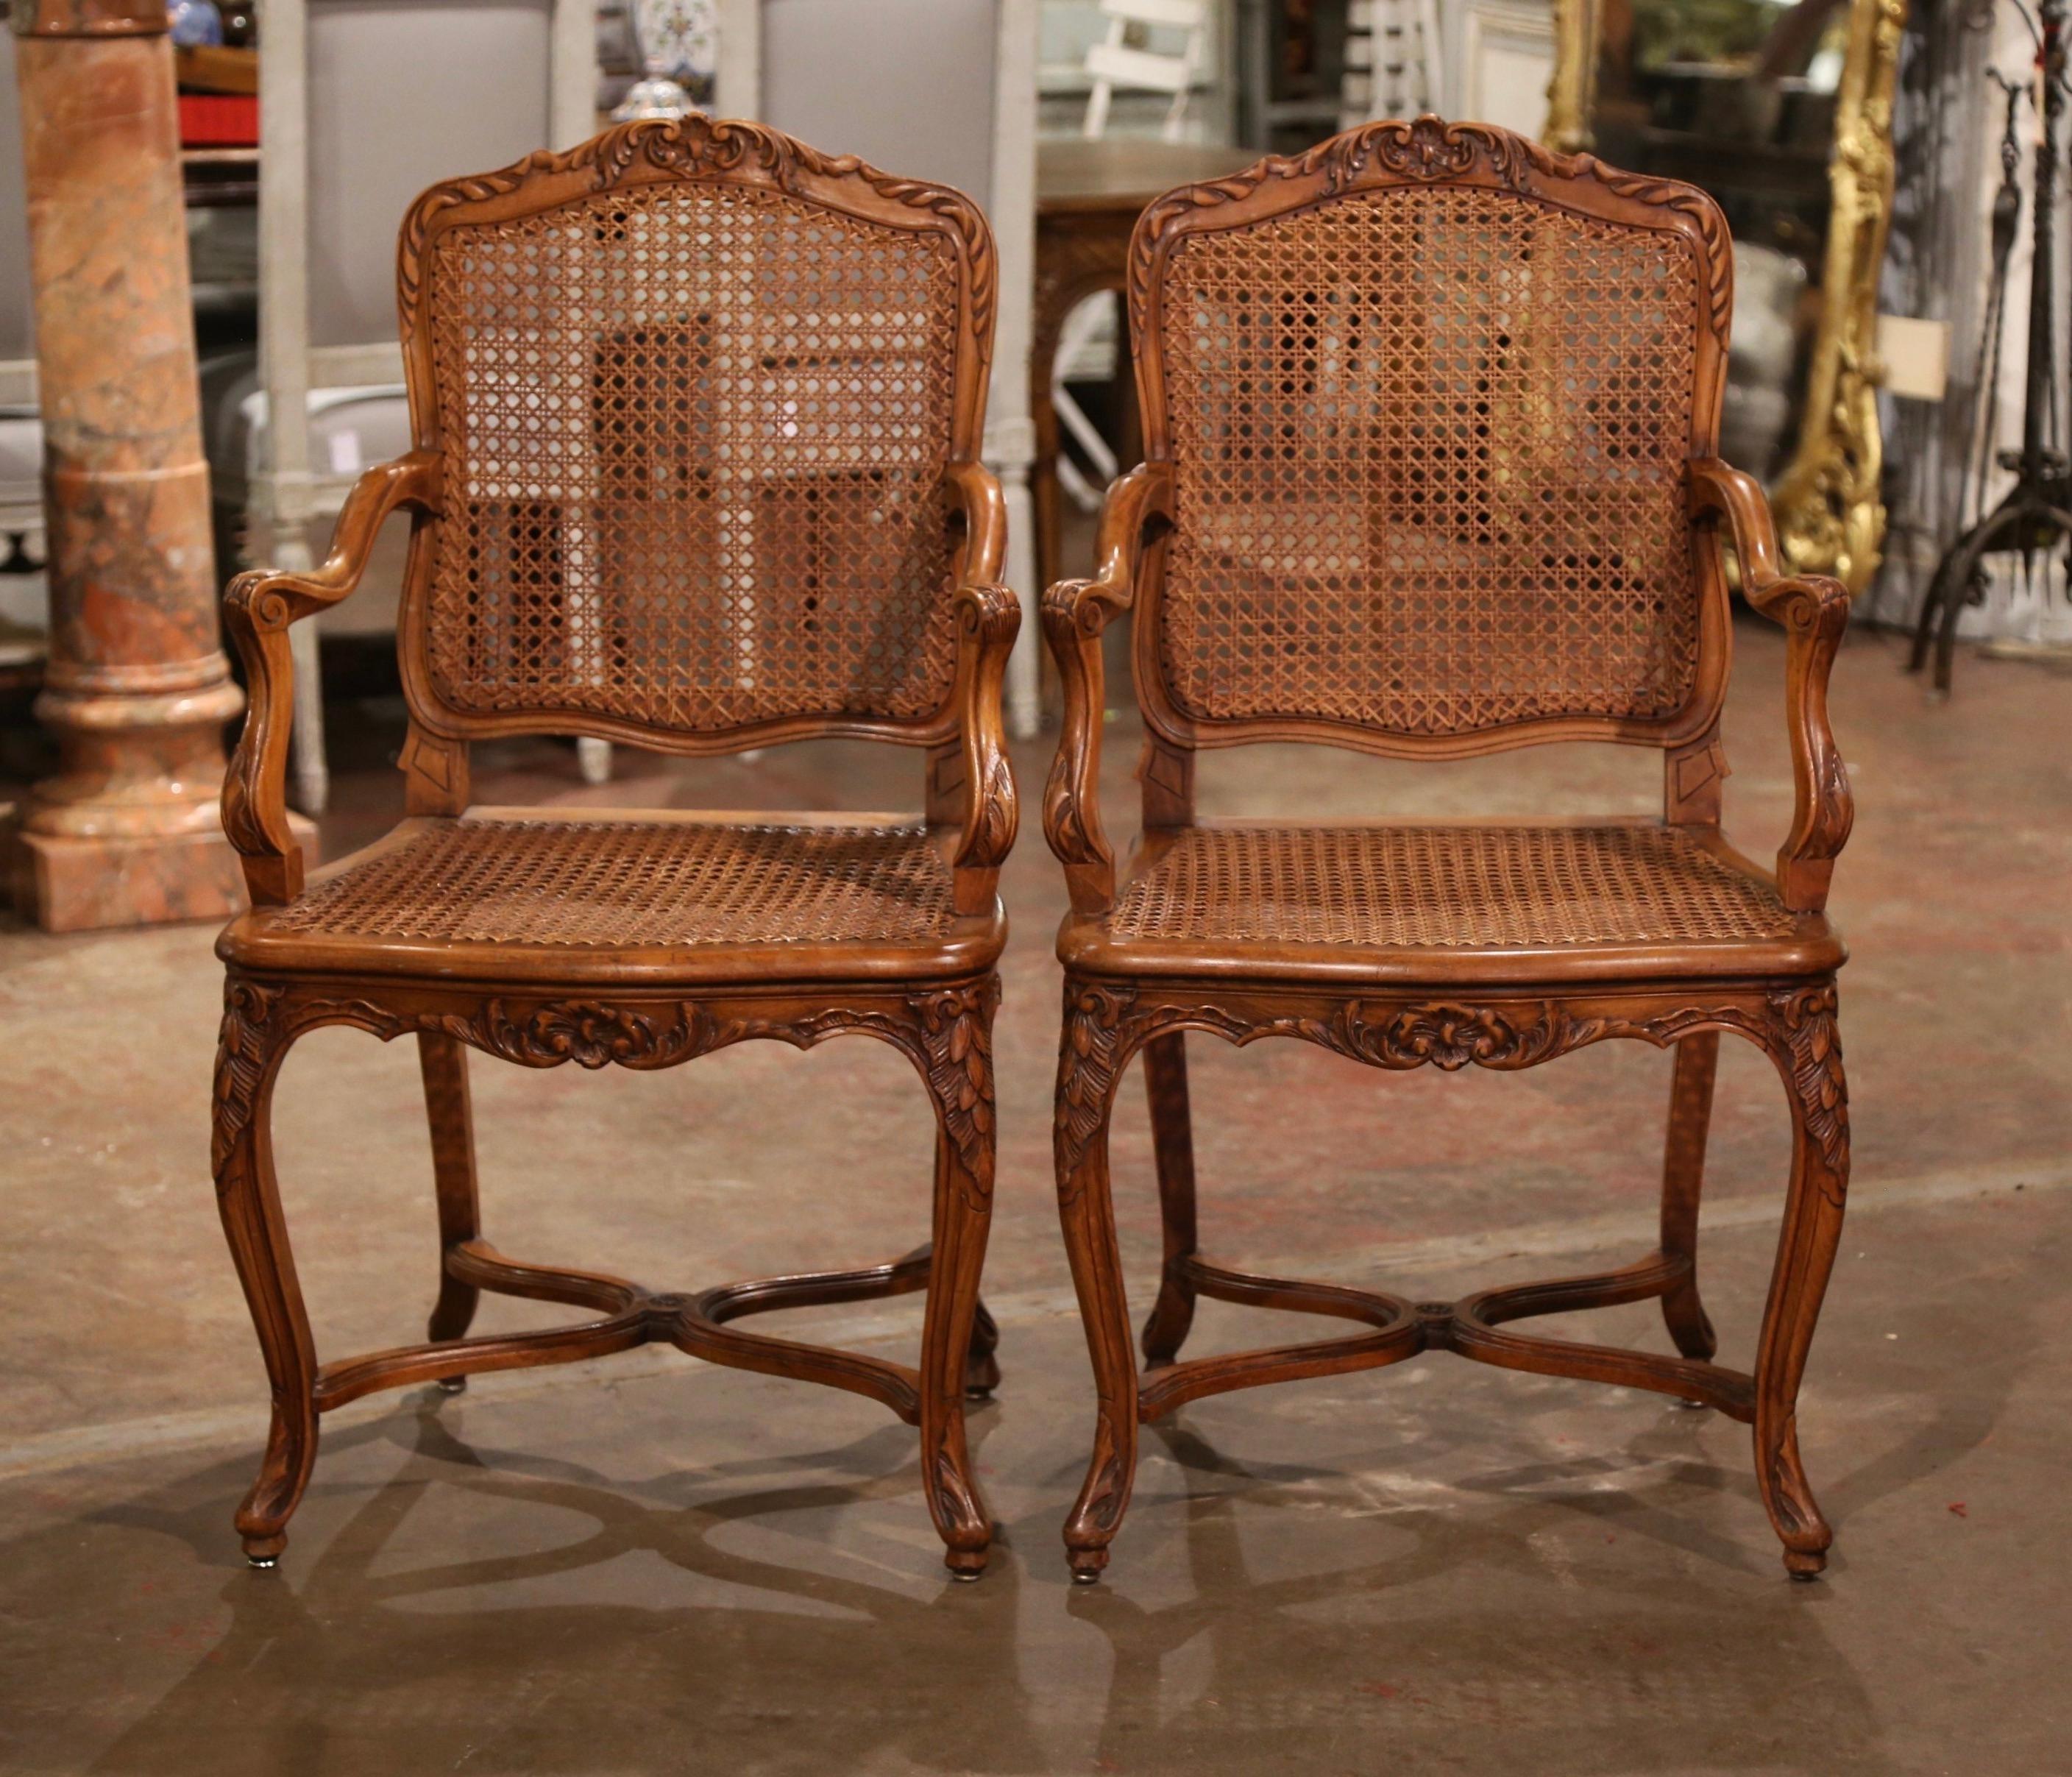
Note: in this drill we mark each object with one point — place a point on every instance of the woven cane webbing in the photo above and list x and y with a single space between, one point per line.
1430 448
694 437
1438 887
637 883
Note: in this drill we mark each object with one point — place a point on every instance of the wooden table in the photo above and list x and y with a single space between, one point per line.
1088 196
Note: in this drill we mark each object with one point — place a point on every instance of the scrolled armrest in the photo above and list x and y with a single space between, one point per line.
257 611
1814 609
989 619
1075 613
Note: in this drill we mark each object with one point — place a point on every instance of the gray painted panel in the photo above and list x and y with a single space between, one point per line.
16 337
403 94
906 83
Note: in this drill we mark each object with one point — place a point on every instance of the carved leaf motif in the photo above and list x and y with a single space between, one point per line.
954 1503
240 1063
1063 826
1088 1060
956 1039
1106 1497
1812 1037
993 832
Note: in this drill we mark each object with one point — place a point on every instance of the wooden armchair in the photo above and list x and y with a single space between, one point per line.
697 412
1430 414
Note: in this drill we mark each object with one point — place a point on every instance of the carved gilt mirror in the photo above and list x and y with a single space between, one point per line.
1782 110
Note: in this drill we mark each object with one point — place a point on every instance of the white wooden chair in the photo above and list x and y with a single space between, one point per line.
21 595
1393 61
1112 65
363 103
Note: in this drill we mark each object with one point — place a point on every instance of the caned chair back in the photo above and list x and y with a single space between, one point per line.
1428 392
695 388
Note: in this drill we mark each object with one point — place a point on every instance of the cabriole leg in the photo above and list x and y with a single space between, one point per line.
254 1042
1087 1067
443 1061
1682 1181
1172 1146
1808 1052
960 1083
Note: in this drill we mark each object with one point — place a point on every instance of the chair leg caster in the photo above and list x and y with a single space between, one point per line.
1802 1566
1690 1406
452 1385
965 1564
264 1553
1088 1565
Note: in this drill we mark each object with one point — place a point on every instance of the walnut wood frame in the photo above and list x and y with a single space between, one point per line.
1487 1008
637 1009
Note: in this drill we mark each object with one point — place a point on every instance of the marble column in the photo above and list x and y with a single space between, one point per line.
136 691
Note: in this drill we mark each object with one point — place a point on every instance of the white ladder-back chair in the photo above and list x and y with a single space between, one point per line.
1393 61
363 104
20 431
1114 65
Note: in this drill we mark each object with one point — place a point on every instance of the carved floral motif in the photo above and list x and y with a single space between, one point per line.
588 1033
1445 1036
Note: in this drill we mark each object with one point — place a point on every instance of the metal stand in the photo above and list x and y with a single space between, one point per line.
2036 514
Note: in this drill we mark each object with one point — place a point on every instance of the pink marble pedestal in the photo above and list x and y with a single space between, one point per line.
137 690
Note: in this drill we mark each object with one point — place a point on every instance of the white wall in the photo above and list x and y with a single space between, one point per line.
1499 58
907 84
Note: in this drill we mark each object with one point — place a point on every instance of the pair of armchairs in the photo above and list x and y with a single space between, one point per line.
1430 416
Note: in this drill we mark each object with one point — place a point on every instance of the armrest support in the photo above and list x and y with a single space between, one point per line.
257 611
989 619
972 493
1075 613
1814 610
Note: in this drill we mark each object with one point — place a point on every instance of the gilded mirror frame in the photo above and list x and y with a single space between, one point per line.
1829 515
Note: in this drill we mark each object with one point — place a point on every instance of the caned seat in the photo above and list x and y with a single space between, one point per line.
1431 418
1493 903
675 898
695 412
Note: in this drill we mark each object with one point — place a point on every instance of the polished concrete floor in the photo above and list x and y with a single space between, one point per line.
645 1564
